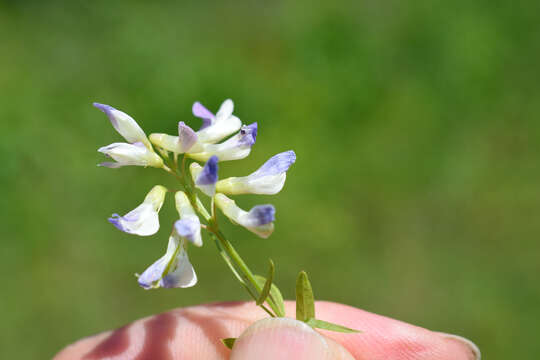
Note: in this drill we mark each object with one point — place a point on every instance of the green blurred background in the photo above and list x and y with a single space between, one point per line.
416 193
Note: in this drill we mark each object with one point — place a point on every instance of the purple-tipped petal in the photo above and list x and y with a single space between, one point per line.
115 220
181 274
186 136
249 134
153 273
209 173
187 228
107 109
276 165
262 214
201 112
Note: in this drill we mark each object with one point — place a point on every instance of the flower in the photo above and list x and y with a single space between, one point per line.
144 219
130 154
180 144
218 127
235 148
258 220
268 179
124 124
191 225
172 270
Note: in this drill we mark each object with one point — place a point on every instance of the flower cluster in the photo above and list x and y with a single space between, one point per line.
221 137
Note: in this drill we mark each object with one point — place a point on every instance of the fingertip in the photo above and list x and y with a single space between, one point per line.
285 338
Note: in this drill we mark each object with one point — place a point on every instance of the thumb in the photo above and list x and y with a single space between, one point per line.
285 338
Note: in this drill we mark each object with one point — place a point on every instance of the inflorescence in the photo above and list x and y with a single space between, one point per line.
221 137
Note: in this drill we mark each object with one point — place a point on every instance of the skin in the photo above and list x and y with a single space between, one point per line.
195 333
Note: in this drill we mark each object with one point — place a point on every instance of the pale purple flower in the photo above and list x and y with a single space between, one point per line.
268 179
172 270
144 219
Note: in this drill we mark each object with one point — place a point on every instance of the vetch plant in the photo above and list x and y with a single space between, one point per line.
221 137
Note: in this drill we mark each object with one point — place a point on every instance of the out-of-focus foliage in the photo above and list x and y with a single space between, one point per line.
416 193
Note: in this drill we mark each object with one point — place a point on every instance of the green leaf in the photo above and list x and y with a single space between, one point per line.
305 303
320 324
275 299
267 285
228 342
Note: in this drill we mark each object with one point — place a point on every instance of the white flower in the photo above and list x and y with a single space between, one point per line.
144 219
130 154
172 270
218 127
124 124
258 220
268 179
191 226
235 148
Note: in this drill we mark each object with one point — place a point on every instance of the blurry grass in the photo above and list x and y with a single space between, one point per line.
416 186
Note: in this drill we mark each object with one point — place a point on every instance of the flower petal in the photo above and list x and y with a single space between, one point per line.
258 220
235 148
152 275
186 137
181 273
124 124
144 219
225 110
190 227
268 179
260 215
201 112
277 164
130 154
172 270
220 126
206 181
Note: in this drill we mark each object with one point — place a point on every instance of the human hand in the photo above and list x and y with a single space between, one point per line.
195 333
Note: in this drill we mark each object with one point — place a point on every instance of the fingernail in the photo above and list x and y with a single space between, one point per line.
473 350
283 338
